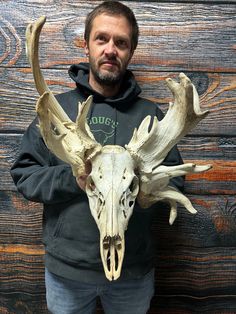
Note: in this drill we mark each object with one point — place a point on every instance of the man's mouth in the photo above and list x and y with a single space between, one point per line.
110 64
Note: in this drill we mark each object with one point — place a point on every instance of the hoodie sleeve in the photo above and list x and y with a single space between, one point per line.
34 176
173 158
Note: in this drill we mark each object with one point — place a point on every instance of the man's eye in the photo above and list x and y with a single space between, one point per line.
101 38
122 43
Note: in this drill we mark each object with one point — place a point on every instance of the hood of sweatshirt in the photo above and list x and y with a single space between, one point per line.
128 91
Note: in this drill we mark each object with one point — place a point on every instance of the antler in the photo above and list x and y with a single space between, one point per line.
149 148
71 142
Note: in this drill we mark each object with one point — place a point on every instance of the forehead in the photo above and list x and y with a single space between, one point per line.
111 24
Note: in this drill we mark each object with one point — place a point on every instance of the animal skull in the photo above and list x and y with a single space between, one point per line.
119 175
112 188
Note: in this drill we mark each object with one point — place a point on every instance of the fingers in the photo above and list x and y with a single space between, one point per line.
81 181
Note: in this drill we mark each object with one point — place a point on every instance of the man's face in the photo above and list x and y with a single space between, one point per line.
109 49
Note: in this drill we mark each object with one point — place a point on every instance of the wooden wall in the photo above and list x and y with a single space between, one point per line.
196 257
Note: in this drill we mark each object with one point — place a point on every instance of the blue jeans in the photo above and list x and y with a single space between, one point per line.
65 296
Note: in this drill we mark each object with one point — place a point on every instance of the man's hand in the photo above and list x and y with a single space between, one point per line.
82 180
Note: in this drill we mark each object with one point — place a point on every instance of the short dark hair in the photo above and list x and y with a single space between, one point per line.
113 8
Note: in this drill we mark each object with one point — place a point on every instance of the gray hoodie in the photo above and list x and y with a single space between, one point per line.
70 234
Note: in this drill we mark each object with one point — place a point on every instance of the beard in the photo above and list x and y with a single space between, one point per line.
107 78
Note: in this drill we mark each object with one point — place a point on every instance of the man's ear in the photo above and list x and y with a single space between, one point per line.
86 49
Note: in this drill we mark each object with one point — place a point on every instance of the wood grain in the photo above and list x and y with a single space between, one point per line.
217 91
196 256
221 179
195 261
172 37
22 281
213 225
186 278
22 229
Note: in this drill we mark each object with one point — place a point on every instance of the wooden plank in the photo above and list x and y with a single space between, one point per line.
217 94
173 304
196 256
195 262
205 279
22 281
217 91
174 36
20 224
22 303
198 272
192 1
219 180
213 226
208 148
21 256
205 149
188 278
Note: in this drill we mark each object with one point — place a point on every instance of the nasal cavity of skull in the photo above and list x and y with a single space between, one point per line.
112 243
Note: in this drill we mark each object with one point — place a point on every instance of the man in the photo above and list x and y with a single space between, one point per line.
74 271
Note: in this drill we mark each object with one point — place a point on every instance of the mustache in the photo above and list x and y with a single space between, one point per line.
111 59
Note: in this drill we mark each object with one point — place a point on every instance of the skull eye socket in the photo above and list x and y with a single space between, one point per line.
134 185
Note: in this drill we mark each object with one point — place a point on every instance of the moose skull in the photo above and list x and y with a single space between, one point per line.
119 175
112 188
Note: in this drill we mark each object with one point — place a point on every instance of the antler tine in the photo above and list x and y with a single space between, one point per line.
33 31
181 117
61 141
71 142
149 148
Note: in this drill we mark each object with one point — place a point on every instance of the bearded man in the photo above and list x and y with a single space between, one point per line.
74 273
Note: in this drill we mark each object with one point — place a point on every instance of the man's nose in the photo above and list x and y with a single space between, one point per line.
110 49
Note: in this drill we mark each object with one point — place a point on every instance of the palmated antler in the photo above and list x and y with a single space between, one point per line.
149 148
71 142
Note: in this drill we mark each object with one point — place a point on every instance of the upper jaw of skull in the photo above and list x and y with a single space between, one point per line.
112 187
